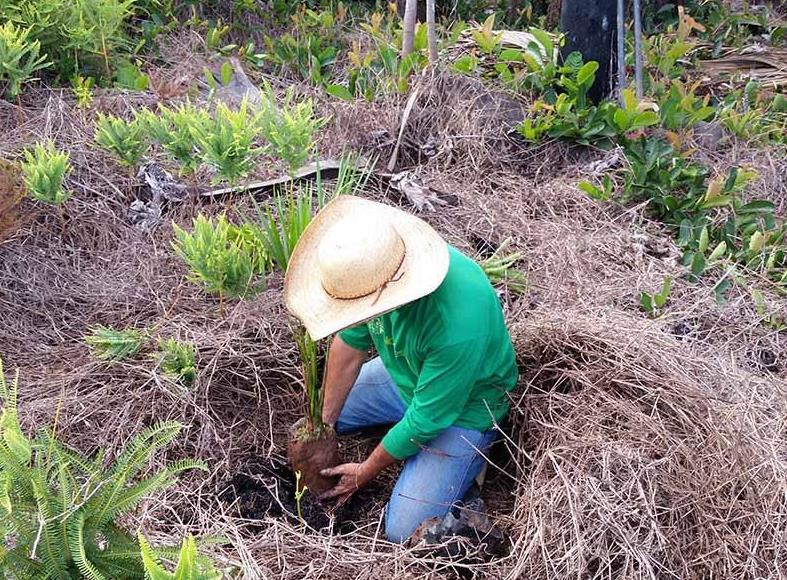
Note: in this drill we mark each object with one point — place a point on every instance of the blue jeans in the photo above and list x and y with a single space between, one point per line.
433 479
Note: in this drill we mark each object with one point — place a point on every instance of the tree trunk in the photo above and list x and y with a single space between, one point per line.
430 31
421 12
408 37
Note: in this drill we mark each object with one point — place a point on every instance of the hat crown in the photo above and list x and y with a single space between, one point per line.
358 257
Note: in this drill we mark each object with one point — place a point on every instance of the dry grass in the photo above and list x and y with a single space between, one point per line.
637 449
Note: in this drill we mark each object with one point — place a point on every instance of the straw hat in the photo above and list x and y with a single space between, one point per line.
359 259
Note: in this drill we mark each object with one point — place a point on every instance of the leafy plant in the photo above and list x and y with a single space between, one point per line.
178 359
307 348
289 127
299 493
44 170
124 139
112 344
19 57
174 130
769 318
485 37
680 108
83 90
190 564
653 303
219 259
60 509
226 142
283 221
499 268
602 193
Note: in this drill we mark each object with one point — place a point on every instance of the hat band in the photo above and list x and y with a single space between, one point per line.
379 290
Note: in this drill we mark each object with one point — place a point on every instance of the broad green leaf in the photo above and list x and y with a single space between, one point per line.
718 251
226 73
586 74
339 91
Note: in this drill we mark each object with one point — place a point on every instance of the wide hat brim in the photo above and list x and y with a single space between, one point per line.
423 269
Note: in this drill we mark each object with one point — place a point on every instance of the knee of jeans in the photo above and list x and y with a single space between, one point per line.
399 524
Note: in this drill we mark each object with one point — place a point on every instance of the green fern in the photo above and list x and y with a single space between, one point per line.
44 170
112 344
124 139
58 509
178 359
219 259
190 565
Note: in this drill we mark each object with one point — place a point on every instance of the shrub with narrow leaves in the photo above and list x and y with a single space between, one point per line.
19 57
219 259
178 360
124 139
174 129
227 141
112 344
289 127
60 510
44 170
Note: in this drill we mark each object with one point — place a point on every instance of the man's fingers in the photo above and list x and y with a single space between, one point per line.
345 469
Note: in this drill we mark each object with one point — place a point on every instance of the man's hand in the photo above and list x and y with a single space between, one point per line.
353 476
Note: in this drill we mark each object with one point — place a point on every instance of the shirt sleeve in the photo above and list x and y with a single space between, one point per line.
444 386
357 337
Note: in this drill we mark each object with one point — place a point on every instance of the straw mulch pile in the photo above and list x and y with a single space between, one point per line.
636 448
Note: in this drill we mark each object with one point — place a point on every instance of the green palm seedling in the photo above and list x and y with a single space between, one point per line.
289 128
190 565
227 141
19 57
60 510
44 170
499 268
112 344
178 360
219 258
124 139
283 221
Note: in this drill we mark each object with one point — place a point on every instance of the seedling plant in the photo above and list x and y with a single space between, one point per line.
20 58
124 139
653 304
499 268
190 564
44 169
114 345
178 360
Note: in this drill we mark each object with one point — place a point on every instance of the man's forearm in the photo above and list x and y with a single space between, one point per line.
377 461
344 364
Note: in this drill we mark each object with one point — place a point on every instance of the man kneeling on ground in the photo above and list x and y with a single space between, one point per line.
382 278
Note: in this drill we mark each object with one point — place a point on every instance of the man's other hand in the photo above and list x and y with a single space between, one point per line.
353 476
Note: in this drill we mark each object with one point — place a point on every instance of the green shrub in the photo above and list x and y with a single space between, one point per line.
44 170
219 259
79 36
124 139
61 509
226 142
112 344
178 360
289 127
19 57
190 565
174 130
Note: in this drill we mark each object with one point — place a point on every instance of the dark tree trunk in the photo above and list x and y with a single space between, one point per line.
421 9
590 29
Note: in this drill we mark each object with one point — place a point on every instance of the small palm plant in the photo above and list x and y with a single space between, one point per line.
190 565
283 221
60 510
289 128
19 57
112 344
178 360
227 142
44 170
219 258
124 139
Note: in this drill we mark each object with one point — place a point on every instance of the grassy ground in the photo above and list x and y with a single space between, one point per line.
637 447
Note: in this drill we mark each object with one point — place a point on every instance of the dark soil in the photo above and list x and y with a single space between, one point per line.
265 488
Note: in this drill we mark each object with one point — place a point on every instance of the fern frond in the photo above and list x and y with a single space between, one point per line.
77 548
52 541
10 430
153 567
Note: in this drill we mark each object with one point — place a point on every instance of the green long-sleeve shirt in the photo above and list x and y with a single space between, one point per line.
449 354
